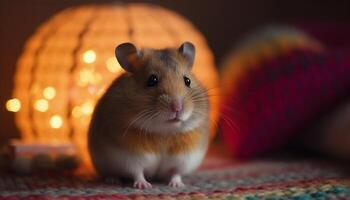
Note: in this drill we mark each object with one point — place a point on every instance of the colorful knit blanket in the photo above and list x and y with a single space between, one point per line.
275 85
218 178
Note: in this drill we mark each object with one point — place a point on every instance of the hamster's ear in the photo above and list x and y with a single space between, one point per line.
188 51
128 56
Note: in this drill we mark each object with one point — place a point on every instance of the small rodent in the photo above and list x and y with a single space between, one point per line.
153 121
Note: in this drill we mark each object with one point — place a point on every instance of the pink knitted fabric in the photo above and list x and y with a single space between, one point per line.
275 99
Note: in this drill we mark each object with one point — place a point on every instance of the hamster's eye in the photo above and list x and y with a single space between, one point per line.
152 80
187 81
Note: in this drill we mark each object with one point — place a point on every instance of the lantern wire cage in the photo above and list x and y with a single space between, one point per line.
69 61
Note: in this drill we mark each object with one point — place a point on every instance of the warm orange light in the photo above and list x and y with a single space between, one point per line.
41 105
77 112
89 76
87 108
56 121
13 105
113 65
69 62
89 56
49 92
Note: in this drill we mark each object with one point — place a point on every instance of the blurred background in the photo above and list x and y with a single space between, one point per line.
223 23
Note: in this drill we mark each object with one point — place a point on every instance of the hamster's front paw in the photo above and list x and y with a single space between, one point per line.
176 182
142 184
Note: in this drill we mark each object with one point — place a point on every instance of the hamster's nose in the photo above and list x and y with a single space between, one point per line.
176 105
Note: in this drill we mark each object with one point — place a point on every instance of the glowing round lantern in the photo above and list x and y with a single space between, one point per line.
68 63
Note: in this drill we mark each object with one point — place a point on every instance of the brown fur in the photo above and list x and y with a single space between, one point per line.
183 143
138 142
113 126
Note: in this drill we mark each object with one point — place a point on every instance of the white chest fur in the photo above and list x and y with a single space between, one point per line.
118 162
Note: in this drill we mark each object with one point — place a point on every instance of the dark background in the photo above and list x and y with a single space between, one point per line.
222 22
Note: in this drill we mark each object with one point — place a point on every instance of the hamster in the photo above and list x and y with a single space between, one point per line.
153 121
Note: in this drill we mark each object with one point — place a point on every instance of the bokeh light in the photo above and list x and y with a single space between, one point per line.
49 92
113 65
89 56
56 121
41 105
13 105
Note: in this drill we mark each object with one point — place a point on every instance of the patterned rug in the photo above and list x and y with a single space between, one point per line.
218 178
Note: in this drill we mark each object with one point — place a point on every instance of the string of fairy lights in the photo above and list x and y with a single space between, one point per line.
86 76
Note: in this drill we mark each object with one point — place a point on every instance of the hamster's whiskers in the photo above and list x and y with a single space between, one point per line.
147 120
198 98
230 122
164 106
136 118
202 114
206 92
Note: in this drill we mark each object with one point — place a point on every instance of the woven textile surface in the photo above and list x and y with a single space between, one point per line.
217 179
